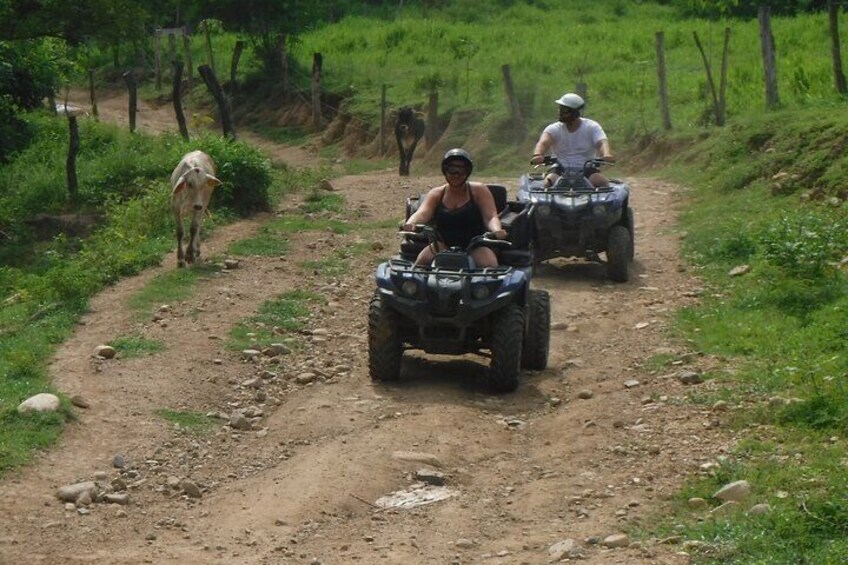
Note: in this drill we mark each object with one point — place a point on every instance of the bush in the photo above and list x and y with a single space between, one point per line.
245 175
807 245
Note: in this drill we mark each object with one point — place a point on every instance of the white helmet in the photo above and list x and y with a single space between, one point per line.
571 100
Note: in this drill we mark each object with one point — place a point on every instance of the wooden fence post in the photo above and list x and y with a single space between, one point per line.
317 63
214 87
663 82
284 61
769 65
91 93
431 134
836 54
133 91
710 81
177 99
187 55
73 150
383 120
239 47
582 90
722 83
210 55
514 109
157 51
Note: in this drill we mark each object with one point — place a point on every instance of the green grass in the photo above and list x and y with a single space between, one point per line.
275 320
22 435
194 423
294 224
267 244
801 476
282 135
338 263
782 329
171 286
133 346
320 201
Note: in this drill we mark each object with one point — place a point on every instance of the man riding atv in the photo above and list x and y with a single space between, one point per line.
574 140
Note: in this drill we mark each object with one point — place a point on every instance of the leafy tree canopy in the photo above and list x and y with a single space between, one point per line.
75 22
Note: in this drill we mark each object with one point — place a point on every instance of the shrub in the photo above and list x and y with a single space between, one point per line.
806 245
245 175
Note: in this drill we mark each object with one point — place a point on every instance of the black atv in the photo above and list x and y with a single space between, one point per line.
454 307
573 218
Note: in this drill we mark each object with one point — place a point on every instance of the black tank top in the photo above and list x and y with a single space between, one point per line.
458 226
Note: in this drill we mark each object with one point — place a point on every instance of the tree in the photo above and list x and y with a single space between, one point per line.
262 21
75 22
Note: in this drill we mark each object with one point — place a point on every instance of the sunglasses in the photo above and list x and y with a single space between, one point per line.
456 171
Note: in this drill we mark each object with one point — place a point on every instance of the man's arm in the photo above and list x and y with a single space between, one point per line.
542 146
603 148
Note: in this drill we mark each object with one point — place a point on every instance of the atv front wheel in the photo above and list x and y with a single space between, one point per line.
507 334
385 349
618 254
534 352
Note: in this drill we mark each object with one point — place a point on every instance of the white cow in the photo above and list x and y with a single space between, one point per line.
193 181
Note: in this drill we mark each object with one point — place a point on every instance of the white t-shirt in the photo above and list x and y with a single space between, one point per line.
572 149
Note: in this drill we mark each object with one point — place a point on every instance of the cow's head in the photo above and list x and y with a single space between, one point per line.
199 186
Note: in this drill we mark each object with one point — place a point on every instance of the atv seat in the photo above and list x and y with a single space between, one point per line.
515 220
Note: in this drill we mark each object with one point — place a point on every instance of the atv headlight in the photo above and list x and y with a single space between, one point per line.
599 210
480 292
409 288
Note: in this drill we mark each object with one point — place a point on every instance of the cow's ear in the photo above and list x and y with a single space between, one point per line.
180 184
212 181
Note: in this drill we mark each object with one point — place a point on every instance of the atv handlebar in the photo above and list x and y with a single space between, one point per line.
487 239
553 163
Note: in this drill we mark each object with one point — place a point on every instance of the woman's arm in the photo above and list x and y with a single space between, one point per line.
426 210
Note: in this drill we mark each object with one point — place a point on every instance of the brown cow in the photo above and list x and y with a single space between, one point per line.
193 181
408 130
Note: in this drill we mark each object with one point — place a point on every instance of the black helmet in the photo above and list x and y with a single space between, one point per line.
457 154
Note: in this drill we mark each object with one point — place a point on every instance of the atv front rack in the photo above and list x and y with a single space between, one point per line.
405 266
572 191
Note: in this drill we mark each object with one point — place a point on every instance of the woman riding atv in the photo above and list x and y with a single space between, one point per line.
460 210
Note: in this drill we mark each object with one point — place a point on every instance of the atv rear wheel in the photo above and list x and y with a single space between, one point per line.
618 254
534 352
506 338
385 349
631 227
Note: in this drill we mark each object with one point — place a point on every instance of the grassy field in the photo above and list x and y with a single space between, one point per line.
608 45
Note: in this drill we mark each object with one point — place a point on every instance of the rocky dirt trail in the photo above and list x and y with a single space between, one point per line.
591 447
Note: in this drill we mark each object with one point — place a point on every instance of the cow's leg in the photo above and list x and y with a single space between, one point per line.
404 165
194 237
409 151
180 233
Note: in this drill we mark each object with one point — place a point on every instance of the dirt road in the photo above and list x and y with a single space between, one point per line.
591 447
